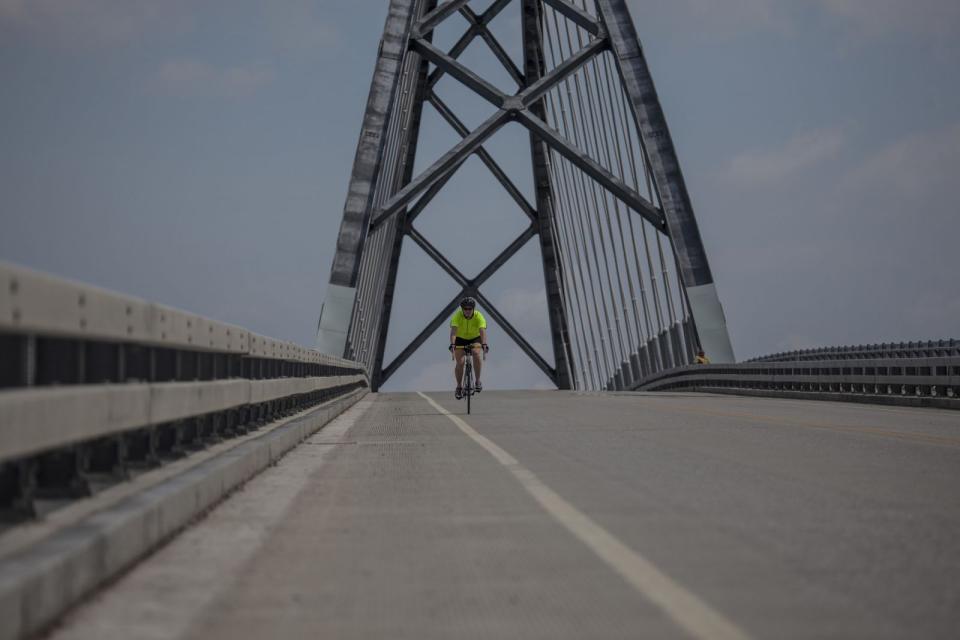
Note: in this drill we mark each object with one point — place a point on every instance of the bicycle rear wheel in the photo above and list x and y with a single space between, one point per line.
468 386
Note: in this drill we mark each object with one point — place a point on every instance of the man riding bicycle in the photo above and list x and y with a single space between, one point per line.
468 327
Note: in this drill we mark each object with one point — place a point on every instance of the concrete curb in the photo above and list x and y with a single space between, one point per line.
39 583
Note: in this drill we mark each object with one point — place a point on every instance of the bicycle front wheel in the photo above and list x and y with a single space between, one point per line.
468 387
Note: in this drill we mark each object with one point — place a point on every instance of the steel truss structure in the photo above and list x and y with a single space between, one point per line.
629 289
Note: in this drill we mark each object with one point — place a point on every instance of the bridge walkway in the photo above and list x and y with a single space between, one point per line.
572 515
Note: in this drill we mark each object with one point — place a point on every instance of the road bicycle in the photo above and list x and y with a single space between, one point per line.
467 388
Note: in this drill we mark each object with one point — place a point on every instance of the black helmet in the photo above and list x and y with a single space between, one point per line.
468 303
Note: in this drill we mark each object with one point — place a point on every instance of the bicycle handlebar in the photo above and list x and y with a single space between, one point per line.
464 347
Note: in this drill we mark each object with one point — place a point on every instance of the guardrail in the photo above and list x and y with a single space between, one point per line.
94 384
899 350
930 381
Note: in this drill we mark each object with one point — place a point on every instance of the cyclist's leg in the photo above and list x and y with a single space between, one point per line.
477 361
458 367
458 372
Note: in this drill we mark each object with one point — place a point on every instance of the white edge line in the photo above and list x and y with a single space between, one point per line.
688 611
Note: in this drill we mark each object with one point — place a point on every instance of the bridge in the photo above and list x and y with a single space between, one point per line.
168 475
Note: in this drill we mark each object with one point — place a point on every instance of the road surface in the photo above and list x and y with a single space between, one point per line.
573 515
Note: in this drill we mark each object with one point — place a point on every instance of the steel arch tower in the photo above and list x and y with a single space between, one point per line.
629 289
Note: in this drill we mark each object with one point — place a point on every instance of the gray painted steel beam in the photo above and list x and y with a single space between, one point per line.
593 169
611 29
517 337
453 68
470 287
433 18
577 15
437 256
484 156
427 197
396 247
471 33
652 125
533 69
487 271
678 210
422 337
337 309
366 165
458 48
494 45
531 92
534 92
504 58
505 255
447 164
493 11
444 315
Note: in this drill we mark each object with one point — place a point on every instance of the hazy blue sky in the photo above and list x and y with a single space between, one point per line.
197 154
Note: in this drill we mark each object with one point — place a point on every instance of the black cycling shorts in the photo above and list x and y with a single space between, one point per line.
463 342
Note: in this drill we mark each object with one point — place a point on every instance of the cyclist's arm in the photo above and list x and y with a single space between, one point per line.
483 336
453 334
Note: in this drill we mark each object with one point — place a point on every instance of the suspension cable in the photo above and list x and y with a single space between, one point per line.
580 137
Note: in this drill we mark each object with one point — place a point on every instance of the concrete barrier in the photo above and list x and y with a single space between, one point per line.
40 581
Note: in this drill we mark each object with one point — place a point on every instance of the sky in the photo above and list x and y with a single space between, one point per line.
197 153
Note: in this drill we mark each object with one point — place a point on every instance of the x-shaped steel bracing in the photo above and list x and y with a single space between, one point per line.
509 108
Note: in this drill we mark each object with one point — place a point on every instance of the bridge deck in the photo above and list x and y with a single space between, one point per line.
564 515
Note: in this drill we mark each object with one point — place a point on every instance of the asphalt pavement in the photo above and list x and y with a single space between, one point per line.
549 514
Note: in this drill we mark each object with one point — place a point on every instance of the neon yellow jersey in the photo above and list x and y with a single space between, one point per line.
468 328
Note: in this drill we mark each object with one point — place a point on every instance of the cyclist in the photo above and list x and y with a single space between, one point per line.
702 358
467 327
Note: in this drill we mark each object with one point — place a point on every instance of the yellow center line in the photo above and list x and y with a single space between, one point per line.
688 611
874 431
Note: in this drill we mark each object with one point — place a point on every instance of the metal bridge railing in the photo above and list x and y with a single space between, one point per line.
930 381
928 349
94 384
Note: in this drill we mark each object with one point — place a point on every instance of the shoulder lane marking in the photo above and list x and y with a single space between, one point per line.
688 611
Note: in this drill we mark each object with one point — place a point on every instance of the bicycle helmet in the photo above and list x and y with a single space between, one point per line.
468 303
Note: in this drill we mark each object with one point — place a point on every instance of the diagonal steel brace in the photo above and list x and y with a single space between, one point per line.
484 156
470 287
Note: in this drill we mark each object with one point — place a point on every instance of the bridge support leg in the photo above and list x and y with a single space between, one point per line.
376 375
658 146
337 310
534 69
